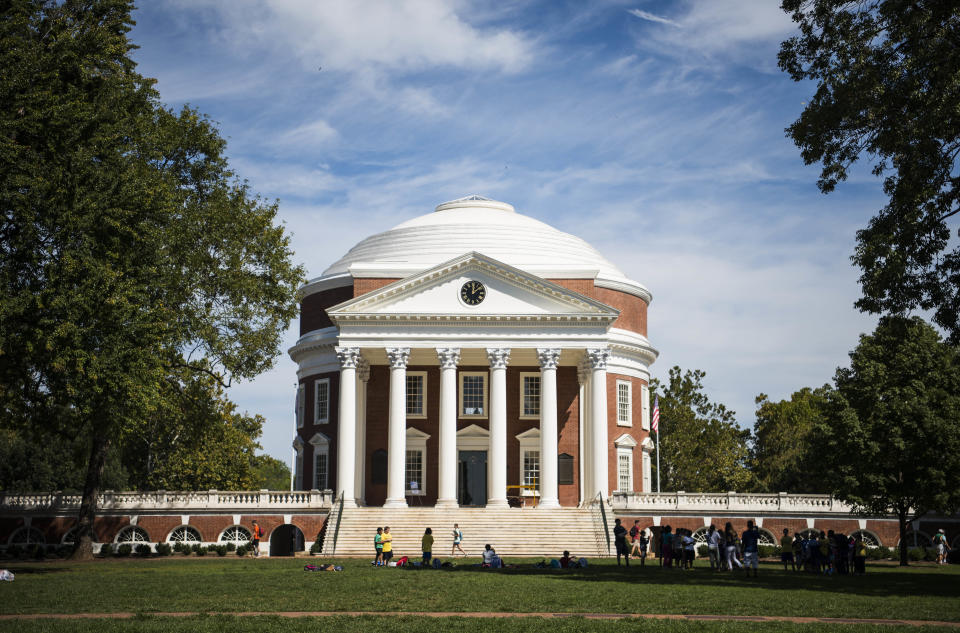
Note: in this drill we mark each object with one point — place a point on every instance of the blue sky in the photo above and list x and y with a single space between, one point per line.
654 130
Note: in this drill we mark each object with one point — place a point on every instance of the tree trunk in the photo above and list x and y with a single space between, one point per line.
83 545
904 559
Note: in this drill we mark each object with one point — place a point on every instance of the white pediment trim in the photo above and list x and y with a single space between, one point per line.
529 434
385 302
416 435
647 445
626 441
320 440
298 443
472 431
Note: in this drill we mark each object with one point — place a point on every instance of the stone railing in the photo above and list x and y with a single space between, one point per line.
710 503
161 500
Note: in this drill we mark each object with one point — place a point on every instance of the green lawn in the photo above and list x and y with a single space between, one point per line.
412 624
231 585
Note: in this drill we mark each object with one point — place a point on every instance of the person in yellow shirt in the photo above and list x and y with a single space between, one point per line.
387 540
427 546
786 550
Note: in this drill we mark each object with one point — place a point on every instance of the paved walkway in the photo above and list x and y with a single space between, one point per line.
480 615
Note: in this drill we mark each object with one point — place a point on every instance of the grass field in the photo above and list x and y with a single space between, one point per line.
274 585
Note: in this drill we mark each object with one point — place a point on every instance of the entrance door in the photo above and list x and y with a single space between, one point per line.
472 482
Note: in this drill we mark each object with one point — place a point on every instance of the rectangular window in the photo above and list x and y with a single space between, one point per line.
322 402
473 394
298 407
624 470
530 390
624 404
531 470
414 472
645 407
320 472
416 394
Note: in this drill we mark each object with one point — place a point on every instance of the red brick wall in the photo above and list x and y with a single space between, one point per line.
633 310
568 423
329 429
363 286
313 308
635 431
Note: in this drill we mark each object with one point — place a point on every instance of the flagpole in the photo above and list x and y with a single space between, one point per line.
655 427
658 461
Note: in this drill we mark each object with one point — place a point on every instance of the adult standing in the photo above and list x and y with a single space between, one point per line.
378 547
634 538
620 540
751 549
387 541
713 547
256 533
786 550
457 539
666 547
940 540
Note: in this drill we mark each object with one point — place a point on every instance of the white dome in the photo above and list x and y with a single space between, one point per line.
486 226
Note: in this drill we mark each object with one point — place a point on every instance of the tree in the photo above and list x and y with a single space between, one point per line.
782 457
271 473
129 251
887 87
890 436
702 446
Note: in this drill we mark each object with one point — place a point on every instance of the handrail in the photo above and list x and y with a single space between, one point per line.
336 530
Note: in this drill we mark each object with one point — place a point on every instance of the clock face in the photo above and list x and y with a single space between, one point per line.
473 293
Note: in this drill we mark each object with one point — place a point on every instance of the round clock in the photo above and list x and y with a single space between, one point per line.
472 293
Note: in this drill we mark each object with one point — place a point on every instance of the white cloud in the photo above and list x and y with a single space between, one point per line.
311 134
646 15
399 35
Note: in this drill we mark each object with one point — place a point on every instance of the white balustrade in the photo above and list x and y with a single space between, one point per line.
164 501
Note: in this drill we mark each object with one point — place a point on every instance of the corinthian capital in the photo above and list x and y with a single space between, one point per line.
398 357
348 356
449 357
499 357
548 358
597 357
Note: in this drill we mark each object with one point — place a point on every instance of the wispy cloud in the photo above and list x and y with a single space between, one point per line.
650 17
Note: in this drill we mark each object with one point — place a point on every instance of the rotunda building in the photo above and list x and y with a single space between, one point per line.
473 356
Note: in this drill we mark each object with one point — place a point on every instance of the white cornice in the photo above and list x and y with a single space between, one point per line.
623 284
328 282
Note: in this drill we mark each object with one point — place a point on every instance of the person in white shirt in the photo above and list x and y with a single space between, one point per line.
713 547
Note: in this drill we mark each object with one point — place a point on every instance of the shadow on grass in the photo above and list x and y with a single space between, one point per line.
888 582
35 571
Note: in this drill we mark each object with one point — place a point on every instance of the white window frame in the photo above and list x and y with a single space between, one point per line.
620 403
321 417
321 446
423 411
523 376
298 407
416 441
486 394
647 479
645 407
530 441
625 445
623 451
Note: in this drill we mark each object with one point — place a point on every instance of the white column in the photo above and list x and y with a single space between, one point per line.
360 468
347 424
447 458
598 419
586 451
549 491
397 432
497 457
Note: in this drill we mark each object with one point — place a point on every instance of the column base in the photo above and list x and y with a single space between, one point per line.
349 502
497 503
395 503
447 503
549 503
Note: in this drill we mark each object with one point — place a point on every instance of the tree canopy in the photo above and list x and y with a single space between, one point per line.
888 87
702 448
889 439
783 457
129 251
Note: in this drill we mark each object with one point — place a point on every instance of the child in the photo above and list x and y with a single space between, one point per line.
378 546
457 538
427 546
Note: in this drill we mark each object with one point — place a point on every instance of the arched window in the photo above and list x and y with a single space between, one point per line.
184 534
235 534
133 534
810 534
766 537
700 536
27 536
869 538
918 539
70 537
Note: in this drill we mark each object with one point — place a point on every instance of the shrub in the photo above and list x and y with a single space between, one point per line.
163 549
953 556
106 549
143 549
766 551
222 550
64 550
315 548
231 546
195 548
916 553
241 550
200 551
36 551
124 549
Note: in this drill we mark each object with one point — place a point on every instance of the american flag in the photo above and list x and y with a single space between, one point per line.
656 413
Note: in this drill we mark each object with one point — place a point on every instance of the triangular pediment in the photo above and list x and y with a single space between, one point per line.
506 292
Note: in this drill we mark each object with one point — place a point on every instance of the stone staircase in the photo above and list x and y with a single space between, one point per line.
511 531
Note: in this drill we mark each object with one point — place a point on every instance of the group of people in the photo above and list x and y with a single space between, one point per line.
826 553
383 545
